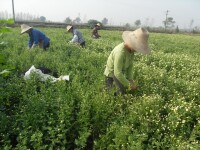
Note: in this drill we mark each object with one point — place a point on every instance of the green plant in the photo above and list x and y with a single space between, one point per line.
162 114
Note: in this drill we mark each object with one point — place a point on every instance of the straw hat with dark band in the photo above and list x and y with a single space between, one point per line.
69 27
25 28
137 40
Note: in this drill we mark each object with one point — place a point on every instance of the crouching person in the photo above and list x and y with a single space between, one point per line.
95 33
77 36
120 62
36 37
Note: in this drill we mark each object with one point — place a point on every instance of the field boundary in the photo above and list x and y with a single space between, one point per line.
107 27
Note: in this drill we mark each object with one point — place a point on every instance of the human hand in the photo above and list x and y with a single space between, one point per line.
132 86
34 45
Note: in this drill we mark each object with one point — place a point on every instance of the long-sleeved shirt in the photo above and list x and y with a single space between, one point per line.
120 64
77 37
36 37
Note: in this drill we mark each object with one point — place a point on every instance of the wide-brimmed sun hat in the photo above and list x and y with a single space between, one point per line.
25 28
137 40
69 27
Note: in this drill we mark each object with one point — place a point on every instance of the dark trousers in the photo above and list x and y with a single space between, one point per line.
109 85
47 46
83 44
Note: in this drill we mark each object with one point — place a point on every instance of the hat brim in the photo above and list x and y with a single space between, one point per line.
69 28
136 43
24 30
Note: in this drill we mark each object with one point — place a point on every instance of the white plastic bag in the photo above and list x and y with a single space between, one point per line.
42 76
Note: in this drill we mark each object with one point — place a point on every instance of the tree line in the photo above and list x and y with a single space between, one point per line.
169 23
20 16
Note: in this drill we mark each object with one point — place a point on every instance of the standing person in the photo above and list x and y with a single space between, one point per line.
36 37
95 33
120 62
77 36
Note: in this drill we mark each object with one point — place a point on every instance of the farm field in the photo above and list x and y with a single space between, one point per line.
164 113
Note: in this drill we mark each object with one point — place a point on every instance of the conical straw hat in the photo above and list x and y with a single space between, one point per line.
137 40
69 27
25 28
98 24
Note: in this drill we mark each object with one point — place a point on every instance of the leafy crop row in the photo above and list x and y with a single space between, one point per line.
162 114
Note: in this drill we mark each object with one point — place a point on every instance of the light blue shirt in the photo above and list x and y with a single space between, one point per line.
77 38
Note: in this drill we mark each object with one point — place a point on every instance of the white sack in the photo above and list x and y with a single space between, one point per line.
42 76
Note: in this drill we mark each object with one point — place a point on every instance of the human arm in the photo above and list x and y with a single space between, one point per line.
34 45
132 84
74 39
118 67
98 35
130 72
30 42
95 33
33 39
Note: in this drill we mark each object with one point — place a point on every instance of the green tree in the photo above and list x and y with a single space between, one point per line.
127 25
104 21
177 29
42 18
91 23
68 20
137 23
191 24
77 20
169 22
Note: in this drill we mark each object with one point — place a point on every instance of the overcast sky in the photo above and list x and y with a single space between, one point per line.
118 12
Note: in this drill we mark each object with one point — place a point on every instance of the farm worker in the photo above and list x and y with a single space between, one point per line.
120 61
77 36
95 33
36 37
